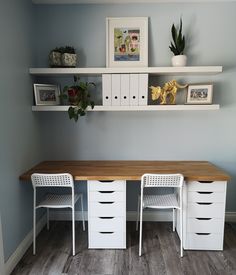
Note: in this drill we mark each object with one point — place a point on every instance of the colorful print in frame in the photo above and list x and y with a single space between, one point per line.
127 42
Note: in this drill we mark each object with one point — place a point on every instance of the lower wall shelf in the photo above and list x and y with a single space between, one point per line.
132 108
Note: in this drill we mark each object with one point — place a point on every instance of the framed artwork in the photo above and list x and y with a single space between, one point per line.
199 94
127 42
46 94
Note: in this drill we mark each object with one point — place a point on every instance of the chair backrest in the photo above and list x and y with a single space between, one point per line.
53 180
162 180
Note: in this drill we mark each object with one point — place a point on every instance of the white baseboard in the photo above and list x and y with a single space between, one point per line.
160 216
230 216
24 245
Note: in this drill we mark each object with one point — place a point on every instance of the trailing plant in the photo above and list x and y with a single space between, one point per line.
178 44
78 97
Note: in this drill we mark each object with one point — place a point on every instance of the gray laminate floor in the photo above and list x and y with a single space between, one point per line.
160 254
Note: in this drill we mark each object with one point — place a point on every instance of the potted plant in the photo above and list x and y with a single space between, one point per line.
78 97
55 57
177 46
68 57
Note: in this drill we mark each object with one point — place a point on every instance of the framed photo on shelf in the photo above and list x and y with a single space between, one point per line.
46 94
127 42
200 94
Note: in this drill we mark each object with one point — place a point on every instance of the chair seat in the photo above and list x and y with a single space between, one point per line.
160 201
58 201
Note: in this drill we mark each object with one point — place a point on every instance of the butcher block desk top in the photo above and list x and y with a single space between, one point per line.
129 170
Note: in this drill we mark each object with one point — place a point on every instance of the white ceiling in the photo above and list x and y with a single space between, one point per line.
123 1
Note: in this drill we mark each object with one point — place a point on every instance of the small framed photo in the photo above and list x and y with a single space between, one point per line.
46 94
127 42
199 94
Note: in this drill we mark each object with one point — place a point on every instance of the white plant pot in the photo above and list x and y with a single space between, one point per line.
69 60
179 60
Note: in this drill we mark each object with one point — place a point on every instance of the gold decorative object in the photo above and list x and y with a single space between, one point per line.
166 94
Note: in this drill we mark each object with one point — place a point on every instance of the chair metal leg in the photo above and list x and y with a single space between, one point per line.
34 231
137 219
47 218
140 230
181 232
82 209
73 231
173 219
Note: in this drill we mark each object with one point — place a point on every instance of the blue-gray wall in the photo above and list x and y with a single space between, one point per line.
19 131
206 135
28 33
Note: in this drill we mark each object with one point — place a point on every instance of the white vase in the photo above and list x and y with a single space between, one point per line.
179 60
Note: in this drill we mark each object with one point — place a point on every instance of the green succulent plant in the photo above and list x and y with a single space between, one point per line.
178 44
78 97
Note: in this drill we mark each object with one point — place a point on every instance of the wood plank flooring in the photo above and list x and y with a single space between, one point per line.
160 254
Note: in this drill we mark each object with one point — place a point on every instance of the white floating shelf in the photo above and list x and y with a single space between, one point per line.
188 70
132 108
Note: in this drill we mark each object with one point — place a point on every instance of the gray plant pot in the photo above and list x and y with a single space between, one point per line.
69 60
55 59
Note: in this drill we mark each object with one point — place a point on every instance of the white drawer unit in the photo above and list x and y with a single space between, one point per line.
107 214
204 215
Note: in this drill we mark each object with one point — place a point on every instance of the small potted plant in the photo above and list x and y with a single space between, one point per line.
177 46
69 57
78 97
55 57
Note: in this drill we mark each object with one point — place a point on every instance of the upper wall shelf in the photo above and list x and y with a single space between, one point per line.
119 1
188 70
132 108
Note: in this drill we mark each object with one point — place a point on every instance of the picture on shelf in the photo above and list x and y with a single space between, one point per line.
46 94
127 42
199 94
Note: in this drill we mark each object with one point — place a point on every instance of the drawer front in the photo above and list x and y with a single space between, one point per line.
207 241
112 239
104 196
203 210
215 186
116 185
107 209
107 224
202 225
206 196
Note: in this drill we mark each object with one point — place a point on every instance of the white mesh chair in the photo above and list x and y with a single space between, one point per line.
162 201
56 200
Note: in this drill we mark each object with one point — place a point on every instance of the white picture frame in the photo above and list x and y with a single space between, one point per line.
200 94
46 94
127 48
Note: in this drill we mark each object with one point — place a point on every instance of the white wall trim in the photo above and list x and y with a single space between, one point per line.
24 245
2 266
124 1
161 216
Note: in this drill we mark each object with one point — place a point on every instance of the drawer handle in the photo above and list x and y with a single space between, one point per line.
203 234
106 192
204 193
102 232
106 202
106 218
205 203
203 219
106 181
205 181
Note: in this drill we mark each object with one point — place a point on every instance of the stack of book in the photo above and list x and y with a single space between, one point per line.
125 89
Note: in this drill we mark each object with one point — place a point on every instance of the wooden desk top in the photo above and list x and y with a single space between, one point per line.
129 170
